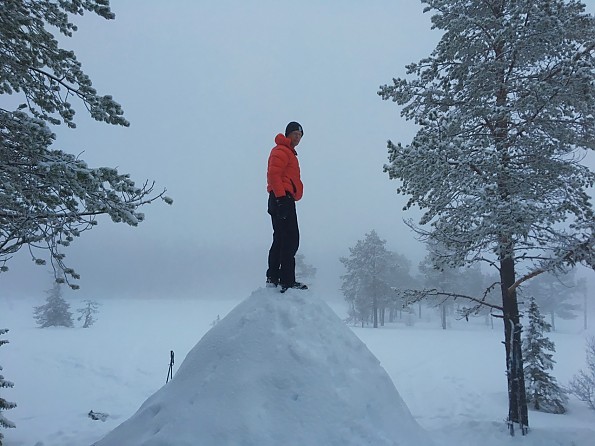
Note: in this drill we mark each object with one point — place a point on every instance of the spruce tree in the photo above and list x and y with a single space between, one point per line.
4 405
543 392
55 312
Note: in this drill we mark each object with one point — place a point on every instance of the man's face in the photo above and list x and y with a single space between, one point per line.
295 137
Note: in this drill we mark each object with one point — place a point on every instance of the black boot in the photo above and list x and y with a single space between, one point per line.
295 285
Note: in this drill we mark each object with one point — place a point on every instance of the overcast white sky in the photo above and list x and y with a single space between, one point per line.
206 86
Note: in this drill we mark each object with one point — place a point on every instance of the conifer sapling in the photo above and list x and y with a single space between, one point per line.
543 392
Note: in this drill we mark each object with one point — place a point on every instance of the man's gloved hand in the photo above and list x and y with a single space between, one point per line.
283 205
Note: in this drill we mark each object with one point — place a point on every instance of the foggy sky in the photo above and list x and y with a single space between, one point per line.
206 87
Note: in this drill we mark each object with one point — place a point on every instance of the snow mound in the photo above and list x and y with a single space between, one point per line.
277 370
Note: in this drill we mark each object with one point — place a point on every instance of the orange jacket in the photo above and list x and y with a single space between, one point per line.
283 173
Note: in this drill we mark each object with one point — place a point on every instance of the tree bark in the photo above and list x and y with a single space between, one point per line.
517 399
585 309
375 310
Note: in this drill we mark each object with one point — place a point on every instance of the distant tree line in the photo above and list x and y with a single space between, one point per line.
380 286
379 282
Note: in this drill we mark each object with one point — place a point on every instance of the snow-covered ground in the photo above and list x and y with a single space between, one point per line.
452 381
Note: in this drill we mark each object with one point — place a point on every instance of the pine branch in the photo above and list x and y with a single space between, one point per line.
526 277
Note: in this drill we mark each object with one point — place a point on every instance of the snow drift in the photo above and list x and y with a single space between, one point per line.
277 370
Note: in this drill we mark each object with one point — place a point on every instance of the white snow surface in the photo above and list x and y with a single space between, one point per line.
278 369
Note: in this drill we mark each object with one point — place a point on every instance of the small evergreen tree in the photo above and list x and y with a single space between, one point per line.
583 385
87 312
543 392
4 405
56 311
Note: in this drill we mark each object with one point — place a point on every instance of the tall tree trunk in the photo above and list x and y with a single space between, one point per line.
553 320
585 309
443 315
517 399
375 310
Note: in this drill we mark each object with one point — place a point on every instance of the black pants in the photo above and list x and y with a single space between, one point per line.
286 240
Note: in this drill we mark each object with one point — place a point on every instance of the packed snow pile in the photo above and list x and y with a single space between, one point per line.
279 369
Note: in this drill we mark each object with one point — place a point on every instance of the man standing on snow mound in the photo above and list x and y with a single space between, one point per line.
285 187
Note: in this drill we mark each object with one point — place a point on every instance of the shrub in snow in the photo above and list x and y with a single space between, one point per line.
98 416
56 310
4 405
543 392
582 385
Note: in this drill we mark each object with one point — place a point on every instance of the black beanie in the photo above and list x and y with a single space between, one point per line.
292 127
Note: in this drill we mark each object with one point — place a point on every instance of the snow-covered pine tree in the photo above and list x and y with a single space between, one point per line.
400 279
49 197
444 279
87 313
506 109
4 405
543 392
55 312
365 283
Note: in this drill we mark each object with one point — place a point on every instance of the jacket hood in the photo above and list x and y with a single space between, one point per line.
282 140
